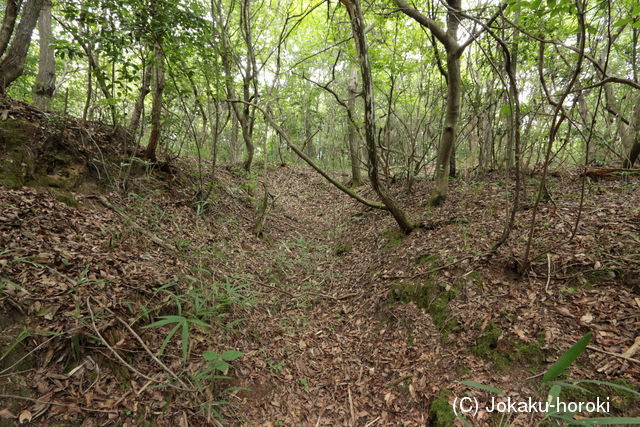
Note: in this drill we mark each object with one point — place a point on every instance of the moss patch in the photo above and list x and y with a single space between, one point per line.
505 353
344 248
431 260
440 411
16 160
433 298
393 238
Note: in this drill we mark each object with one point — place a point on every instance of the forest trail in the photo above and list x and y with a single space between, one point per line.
331 356
325 308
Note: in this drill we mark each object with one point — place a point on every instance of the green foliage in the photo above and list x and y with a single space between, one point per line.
567 358
220 361
201 304
557 390
181 323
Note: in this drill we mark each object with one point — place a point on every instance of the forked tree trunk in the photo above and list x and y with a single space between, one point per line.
357 27
12 65
156 106
46 79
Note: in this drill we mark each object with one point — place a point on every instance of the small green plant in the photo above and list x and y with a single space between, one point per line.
180 322
554 414
220 361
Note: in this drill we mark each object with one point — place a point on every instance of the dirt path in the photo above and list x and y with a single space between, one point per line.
327 356
344 348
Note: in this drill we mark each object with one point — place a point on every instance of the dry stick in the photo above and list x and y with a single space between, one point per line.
45 402
372 422
144 345
36 349
546 288
276 289
155 239
104 341
351 410
621 356
442 267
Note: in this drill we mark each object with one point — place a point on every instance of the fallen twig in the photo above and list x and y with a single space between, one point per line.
144 345
45 402
124 362
155 239
621 356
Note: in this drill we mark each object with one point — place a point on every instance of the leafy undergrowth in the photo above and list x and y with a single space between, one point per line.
149 308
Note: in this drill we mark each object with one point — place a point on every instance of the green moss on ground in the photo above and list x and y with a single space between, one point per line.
440 411
343 248
393 238
487 341
433 298
506 353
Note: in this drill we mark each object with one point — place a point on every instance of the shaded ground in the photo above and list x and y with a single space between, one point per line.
341 320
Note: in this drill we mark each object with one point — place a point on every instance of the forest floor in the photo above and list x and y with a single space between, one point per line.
341 320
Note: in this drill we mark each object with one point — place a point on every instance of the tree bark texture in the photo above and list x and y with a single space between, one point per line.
45 85
12 64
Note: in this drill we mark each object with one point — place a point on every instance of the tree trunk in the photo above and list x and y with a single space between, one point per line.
134 122
249 83
632 140
12 65
354 146
46 79
448 140
454 84
357 26
156 107
234 138
309 148
8 24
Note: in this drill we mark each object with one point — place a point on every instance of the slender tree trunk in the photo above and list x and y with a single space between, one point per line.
454 84
309 147
513 70
8 24
250 87
12 65
235 152
354 146
445 150
87 102
156 107
46 79
134 122
357 26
